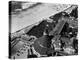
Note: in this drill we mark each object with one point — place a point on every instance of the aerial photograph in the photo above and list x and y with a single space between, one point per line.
38 29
